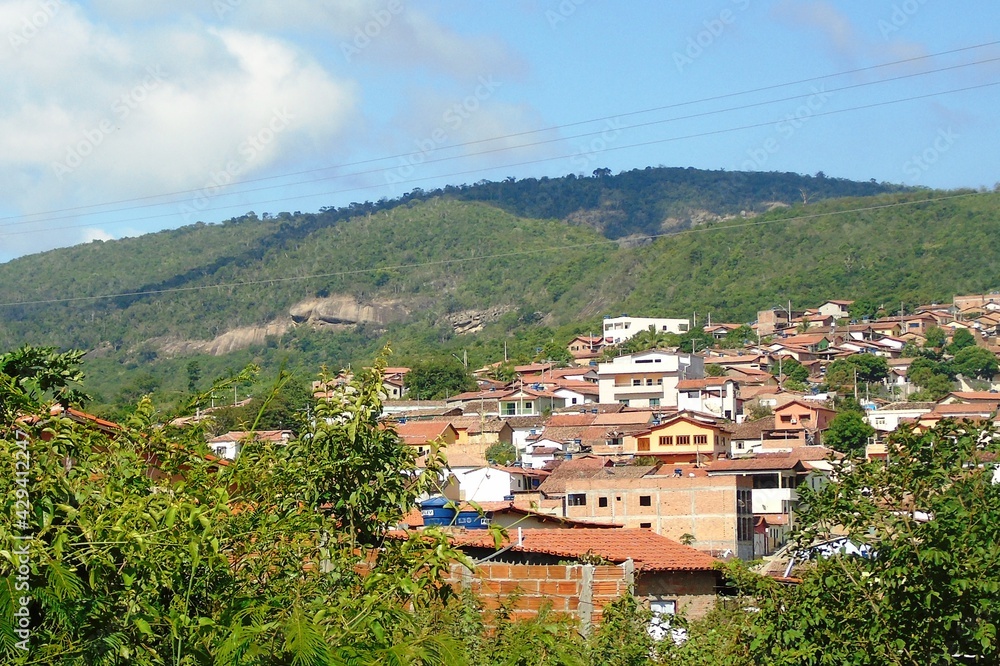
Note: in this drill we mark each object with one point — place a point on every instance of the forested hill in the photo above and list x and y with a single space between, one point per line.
443 272
654 200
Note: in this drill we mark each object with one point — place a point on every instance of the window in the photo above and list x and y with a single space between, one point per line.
644 443
666 440
220 451
645 500
636 382
623 401
576 499
654 402
645 526
649 381
880 420
602 502
509 409
701 439
683 440
659 382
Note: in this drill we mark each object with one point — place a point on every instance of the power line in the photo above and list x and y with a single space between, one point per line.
530 162
499 255
515 135
534 144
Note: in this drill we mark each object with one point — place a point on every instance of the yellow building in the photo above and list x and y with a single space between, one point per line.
684 438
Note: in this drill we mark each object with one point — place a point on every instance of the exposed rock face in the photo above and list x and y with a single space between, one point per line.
472 321
237 338
334 312
345 310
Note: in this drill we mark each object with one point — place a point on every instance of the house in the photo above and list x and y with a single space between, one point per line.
648 378
748 437
680 502
718 396
836 308
971 397
976 301
620 329
686 437
771 321
480 484
586 348
888 418
553 567
775 479
422 435
608 432
798 423
527 402
230 444
394 382
481 430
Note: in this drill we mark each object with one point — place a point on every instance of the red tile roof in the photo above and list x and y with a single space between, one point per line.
421 432
707 382
649 550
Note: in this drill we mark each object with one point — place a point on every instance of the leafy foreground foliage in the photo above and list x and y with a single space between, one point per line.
930 594
145 551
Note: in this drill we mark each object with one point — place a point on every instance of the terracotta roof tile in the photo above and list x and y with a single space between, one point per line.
649 550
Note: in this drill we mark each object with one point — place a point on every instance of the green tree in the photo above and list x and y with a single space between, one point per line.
928 518
501 453
849 432
145 551
193 375
975 362
438 378
935 338
714 370
738 337
791 369
961 339
30 375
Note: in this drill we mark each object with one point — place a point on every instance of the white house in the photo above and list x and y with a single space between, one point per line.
620 329
231 444
648 378
711 395
888 418
482 484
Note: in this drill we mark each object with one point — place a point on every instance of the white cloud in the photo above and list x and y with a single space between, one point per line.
153 111
845 39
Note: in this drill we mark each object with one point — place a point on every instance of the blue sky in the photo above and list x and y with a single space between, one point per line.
122 118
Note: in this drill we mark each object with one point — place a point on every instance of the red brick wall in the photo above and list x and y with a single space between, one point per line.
566 588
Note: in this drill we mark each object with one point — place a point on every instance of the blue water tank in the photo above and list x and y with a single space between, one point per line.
471 520
436 512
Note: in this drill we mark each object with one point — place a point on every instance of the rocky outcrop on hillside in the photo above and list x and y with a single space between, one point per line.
334 312
472 321
345 310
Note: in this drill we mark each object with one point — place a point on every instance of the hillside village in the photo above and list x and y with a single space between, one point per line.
675 458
